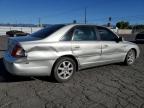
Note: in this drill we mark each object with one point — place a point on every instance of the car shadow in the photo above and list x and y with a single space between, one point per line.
101 66
6 77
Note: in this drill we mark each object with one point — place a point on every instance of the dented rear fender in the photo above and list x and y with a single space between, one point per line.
46 50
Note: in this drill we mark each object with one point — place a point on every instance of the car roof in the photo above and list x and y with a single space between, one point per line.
79 24
84 25
73 25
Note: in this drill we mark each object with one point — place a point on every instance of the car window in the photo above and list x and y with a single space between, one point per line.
43 33
84 34
106 35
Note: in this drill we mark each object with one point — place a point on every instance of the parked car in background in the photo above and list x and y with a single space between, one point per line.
139 37
14 33
61 50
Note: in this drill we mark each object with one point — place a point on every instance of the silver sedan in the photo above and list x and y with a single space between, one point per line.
61 50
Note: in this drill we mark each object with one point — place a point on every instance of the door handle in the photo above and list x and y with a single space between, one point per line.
77 47
105 46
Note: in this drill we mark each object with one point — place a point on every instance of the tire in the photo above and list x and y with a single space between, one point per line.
64 69
130 57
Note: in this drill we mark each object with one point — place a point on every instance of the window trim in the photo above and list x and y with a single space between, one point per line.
95 28
65 35
88 26
97 33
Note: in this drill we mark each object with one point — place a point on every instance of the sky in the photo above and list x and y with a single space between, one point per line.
65 11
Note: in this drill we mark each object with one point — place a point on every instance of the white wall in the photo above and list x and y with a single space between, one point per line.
3 29
124 31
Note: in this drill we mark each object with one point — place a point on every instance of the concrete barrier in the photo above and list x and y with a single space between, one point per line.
3 43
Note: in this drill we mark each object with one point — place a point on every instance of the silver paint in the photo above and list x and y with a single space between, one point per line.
43 53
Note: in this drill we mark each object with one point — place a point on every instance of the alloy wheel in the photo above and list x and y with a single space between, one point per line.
65 70
131 57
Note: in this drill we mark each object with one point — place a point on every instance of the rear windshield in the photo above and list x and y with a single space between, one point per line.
43 33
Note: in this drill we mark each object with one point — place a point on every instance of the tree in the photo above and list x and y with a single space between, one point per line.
122 25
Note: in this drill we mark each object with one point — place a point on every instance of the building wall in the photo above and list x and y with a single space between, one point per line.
124 31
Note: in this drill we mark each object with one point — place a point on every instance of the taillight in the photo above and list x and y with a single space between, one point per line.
18 51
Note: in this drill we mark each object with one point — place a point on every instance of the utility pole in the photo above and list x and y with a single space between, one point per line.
85 15
39 22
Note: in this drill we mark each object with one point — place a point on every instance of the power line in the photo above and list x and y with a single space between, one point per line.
63 13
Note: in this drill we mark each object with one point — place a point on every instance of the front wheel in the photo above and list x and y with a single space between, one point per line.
64 69
130 57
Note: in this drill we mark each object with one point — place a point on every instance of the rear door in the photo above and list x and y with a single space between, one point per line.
85 45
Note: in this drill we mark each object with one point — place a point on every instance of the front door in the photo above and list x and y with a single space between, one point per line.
112 50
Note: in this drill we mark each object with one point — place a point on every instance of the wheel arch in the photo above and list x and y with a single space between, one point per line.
134 51
69 56
132 48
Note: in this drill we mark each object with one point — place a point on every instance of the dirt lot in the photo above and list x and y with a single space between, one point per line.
110 86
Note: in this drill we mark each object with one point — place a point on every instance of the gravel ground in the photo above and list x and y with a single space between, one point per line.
110 86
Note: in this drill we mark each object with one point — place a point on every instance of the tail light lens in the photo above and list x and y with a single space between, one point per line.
18 51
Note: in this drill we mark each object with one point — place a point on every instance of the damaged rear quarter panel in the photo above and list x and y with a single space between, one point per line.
37 50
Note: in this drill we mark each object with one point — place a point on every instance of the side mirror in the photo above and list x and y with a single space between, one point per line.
119 39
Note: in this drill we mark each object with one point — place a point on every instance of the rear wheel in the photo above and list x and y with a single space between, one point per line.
64 69
130 57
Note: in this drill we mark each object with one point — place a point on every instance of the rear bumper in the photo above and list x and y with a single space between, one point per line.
27 68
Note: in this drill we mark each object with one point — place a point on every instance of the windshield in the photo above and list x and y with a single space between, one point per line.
43 33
